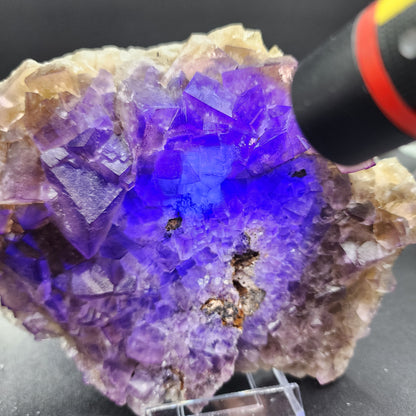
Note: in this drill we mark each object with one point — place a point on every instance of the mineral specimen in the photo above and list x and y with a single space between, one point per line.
161 212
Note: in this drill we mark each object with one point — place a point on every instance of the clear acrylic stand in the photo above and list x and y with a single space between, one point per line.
267 394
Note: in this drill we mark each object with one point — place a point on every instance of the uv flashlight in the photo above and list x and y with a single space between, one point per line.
355 96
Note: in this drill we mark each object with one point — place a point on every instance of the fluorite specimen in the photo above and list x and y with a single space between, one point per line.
161 212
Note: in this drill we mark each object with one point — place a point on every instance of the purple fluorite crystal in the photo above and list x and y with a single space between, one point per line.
174 229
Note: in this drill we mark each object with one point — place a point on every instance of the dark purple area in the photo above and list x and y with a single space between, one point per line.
159 215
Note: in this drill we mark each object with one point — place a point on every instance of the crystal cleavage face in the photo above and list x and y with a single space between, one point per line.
165 217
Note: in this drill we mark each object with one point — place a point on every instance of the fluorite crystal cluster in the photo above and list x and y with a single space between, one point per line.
161 212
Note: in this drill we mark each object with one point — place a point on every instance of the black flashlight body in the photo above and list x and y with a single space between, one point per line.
355 96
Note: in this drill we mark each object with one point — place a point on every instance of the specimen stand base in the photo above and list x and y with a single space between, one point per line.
267 394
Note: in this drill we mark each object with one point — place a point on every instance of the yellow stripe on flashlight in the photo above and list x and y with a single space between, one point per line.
388 9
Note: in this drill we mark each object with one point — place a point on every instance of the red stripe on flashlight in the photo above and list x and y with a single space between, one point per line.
376 77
